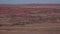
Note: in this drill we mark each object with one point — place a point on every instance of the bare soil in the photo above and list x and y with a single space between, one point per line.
30 19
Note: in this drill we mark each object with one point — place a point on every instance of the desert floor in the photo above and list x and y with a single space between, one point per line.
30 19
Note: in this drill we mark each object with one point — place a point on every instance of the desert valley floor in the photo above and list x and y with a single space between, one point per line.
30 19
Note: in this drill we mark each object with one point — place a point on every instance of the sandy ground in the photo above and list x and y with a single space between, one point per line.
32 29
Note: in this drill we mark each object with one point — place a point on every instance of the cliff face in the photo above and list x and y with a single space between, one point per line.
22 15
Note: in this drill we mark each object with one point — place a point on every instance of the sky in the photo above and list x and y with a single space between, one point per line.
29 1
